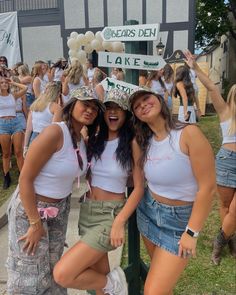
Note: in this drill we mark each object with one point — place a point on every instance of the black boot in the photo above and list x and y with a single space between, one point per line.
218 245
232 245
7 181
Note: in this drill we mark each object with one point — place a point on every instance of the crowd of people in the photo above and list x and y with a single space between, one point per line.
74 127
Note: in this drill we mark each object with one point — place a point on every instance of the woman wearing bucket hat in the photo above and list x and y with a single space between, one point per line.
178 166
113 154
38 211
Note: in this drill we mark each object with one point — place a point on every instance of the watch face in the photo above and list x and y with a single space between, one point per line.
189 232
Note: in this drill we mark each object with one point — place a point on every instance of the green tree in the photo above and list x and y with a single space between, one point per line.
214 19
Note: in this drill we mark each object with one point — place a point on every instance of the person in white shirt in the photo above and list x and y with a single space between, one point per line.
90 70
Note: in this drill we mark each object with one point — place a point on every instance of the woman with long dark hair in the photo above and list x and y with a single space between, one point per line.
113 154
183 88
178 166
38 211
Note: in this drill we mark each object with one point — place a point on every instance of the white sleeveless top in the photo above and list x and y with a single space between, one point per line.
58 74
168 170
7 106
226 137
72 87
157 88
43 84
56 178
40 120
19 104
107 173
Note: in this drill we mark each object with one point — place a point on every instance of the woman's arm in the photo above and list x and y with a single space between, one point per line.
45 145
36 87
100 92
203 166
24 106
56 110
183 94
65 87
26 80
21 92
28 131
217 100
118 227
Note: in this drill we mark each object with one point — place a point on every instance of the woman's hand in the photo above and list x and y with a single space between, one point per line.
187 246
32 237
117 234
190 59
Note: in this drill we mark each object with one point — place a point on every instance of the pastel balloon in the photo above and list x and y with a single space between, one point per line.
106 45
88 48
89 36
95 44
98 36
72 53
81 39
73 35
71 43
82 56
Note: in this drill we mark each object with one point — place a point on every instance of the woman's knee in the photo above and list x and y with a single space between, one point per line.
60 276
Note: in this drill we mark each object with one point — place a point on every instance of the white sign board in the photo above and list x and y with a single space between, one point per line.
147 32
110 83
130 61
9 39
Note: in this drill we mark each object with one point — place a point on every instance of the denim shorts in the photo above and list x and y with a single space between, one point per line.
226 168
10 126
21 120
95 222
29 99
162 224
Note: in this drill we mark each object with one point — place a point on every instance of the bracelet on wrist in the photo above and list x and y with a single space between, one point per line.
34 221
191 232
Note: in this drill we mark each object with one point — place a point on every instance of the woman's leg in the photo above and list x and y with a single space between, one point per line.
74 270
5 140
164 272
149 246
17 140
229 222
102 266
226 195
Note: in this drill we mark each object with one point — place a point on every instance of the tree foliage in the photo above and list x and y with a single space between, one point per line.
214 19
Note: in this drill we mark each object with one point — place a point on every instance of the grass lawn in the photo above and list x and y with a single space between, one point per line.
201 277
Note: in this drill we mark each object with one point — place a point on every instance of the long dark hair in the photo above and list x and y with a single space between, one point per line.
67 117
123 151
143 132
183 75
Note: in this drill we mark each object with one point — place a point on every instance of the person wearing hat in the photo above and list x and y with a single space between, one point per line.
39 208
112 155
178 166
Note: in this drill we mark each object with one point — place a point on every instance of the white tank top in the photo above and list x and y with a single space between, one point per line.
157 88
58 74
168 170
72 87
43 84
19 104
7 106
56 178
107 173
226 137
40 120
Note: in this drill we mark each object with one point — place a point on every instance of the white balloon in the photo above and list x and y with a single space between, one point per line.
82 56
88 48
98 36
107 45
81 39
72 53
117 46
73 60
73 35
71 43
89 36
95 44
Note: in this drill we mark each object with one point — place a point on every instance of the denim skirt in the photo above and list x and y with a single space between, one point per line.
162 224
226 168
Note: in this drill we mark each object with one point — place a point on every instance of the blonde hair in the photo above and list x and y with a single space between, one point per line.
36 70
231 101
75 72
51 94
23 70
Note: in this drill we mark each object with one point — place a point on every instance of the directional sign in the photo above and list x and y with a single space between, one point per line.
147 32
130 61
110 83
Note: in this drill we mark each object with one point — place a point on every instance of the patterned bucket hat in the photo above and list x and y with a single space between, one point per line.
119 97
87 93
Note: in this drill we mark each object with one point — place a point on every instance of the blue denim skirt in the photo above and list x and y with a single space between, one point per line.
226 168
10 126
162 224
21 120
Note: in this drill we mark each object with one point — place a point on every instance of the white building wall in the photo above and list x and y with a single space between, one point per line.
41 43
134 10
96 13
177 11
154 11
115 12
180 40
74 14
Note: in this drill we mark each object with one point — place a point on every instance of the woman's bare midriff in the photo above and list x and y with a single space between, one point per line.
99 194
47 199
7 117
230 146
170 202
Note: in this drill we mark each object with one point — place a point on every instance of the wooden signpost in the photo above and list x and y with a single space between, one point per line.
147 32
130 61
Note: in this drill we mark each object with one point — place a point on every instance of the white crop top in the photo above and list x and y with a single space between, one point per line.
7 106
226 137
40 120
168 170
56 178
157 88
107 173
